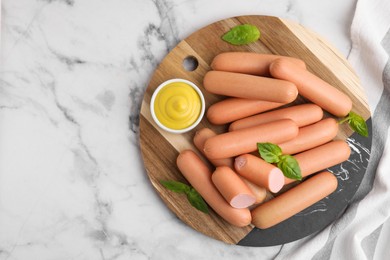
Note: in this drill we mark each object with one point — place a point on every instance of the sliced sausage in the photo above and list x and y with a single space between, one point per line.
294 200
302 115
259 172
232 188
259 192
200 138
249 86
199 176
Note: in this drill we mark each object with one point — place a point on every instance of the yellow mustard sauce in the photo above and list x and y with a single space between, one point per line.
177 105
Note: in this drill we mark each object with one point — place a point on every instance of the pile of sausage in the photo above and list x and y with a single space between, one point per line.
254 84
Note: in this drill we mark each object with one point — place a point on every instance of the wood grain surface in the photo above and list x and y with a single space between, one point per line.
160 149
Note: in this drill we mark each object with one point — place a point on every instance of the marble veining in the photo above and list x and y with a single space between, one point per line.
321 206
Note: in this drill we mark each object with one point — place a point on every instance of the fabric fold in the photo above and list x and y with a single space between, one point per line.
362 232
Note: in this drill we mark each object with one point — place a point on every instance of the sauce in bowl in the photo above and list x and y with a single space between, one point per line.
177 105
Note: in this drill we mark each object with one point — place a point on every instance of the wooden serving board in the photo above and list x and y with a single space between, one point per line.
160 149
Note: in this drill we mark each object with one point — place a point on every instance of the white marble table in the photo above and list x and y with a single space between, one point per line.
73 73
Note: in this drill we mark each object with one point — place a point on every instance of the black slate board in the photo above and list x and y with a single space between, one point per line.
315 218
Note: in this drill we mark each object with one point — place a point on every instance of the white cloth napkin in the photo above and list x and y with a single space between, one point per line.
363 232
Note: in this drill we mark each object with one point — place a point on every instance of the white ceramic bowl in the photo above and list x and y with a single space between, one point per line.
177 131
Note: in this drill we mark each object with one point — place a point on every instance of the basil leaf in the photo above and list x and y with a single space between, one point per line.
358 124
242 34
192 195
197 201
290 167
176 186
269 152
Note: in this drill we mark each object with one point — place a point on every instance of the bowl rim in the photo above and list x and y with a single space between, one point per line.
192 126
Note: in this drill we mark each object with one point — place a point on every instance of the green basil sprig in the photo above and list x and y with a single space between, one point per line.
242 34
192 195
290 167
272 153
357 123
269 152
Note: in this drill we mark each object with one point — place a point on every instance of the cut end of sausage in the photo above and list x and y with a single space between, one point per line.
276 180
242 201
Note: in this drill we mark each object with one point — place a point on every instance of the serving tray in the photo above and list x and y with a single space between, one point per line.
278 36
